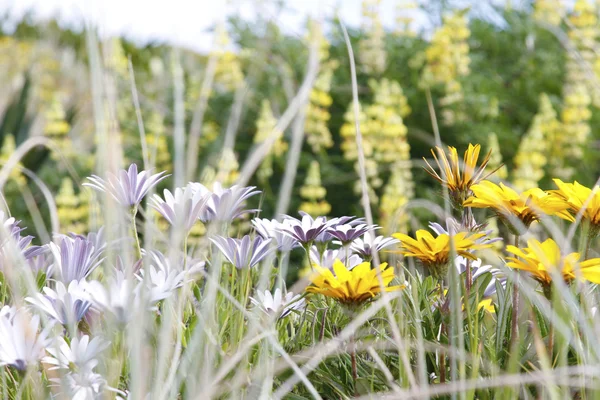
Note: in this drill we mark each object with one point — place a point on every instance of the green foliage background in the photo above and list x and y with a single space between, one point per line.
511 65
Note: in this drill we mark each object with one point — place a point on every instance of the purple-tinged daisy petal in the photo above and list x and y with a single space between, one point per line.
128 188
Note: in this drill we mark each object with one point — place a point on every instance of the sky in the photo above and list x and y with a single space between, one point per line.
183 22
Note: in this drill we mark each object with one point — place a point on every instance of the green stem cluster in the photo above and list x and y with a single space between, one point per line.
136 238
514 327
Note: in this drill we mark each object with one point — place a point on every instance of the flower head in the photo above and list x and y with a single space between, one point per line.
582 199
244 252
11 240
349 226
74 258
224 204
67 305
278 304
307 229
80 353
371 244
434 252
40 263
273 229
346 233
129 187
352 287
540 259
456 177
84 385
118 298
97 240
182 208
327 258
163 279
21 341
468 225
527 206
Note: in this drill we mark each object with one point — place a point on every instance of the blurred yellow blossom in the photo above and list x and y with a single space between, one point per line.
549 11
398 191
265 126
495 162
8 148
532 155
446 61
405 18
371 49
383 130
72 214
313 193
317 115
57 128
228 69
576 129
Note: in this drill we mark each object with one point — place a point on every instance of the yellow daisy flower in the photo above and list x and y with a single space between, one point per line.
580 197
539 259
487 305
456 177
434 252
351 287
527 206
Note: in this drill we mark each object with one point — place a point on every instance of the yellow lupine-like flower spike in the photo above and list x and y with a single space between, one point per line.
371 49
527 206
495 163
548 11
539 259
313 193
355 286
457 177
535 147
434 252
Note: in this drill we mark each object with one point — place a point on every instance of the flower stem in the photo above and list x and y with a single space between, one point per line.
469 279
467 217
443 358
585 239
307 248
443 329
135 233
185 248
282 270
514 327
548 295
353 359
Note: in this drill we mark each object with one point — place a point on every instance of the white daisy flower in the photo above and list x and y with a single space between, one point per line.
183 208
22 342
67 305
79 355
163 280
119 298
273 229
84 385
277 303
128 187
